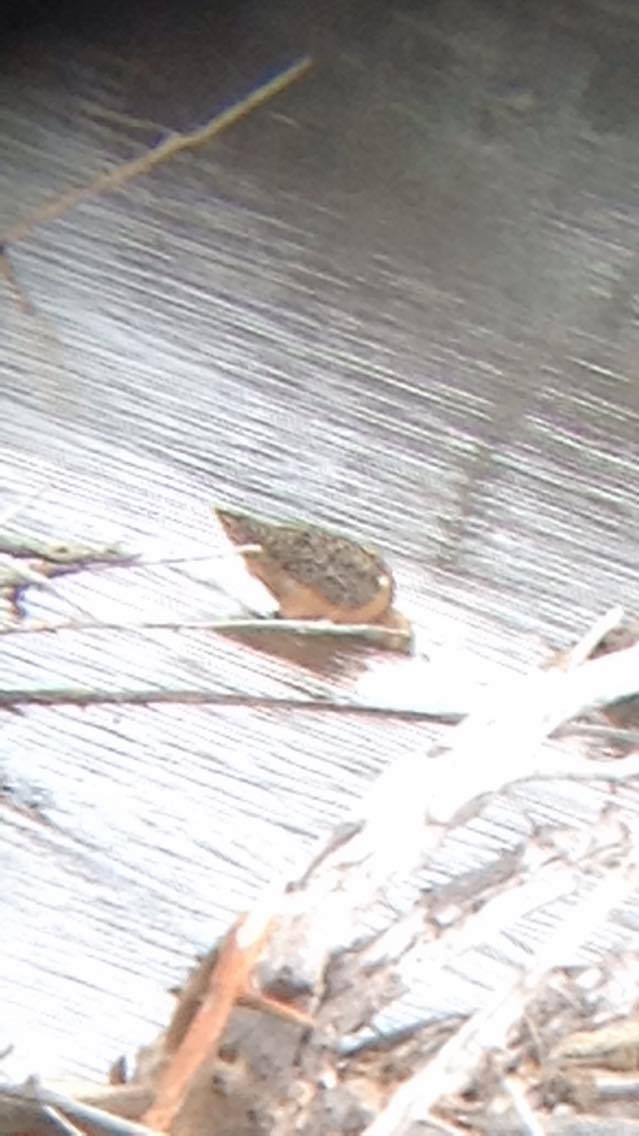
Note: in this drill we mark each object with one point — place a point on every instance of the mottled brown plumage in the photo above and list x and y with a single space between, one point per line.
313 573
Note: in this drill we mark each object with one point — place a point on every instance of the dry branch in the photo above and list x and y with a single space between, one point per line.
150 696
22 1108
487 1030
338 943
309 629
175 144
114 179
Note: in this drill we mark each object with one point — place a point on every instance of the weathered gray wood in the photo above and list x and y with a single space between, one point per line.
401 300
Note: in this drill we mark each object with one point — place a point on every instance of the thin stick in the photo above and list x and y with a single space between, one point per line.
62 1123
308 628
584 647
25 575
109 556
452 1067
35 1096
83 696
114 179
516 721
600 733
225 554
229 979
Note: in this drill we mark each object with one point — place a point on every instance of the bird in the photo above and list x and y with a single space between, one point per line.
313 572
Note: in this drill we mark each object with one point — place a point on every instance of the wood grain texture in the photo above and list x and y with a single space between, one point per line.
401 300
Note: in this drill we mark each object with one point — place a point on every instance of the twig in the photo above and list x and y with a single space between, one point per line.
32 1095
545 700
62 553
107 556
489 916
307 628
489 751
230 983
58 559
410 810
601 732
225 554
496 747
52 560
584 647
62 1124
80 696
450 1070
114 179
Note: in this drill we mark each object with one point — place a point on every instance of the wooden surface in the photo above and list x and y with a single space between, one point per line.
402 299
